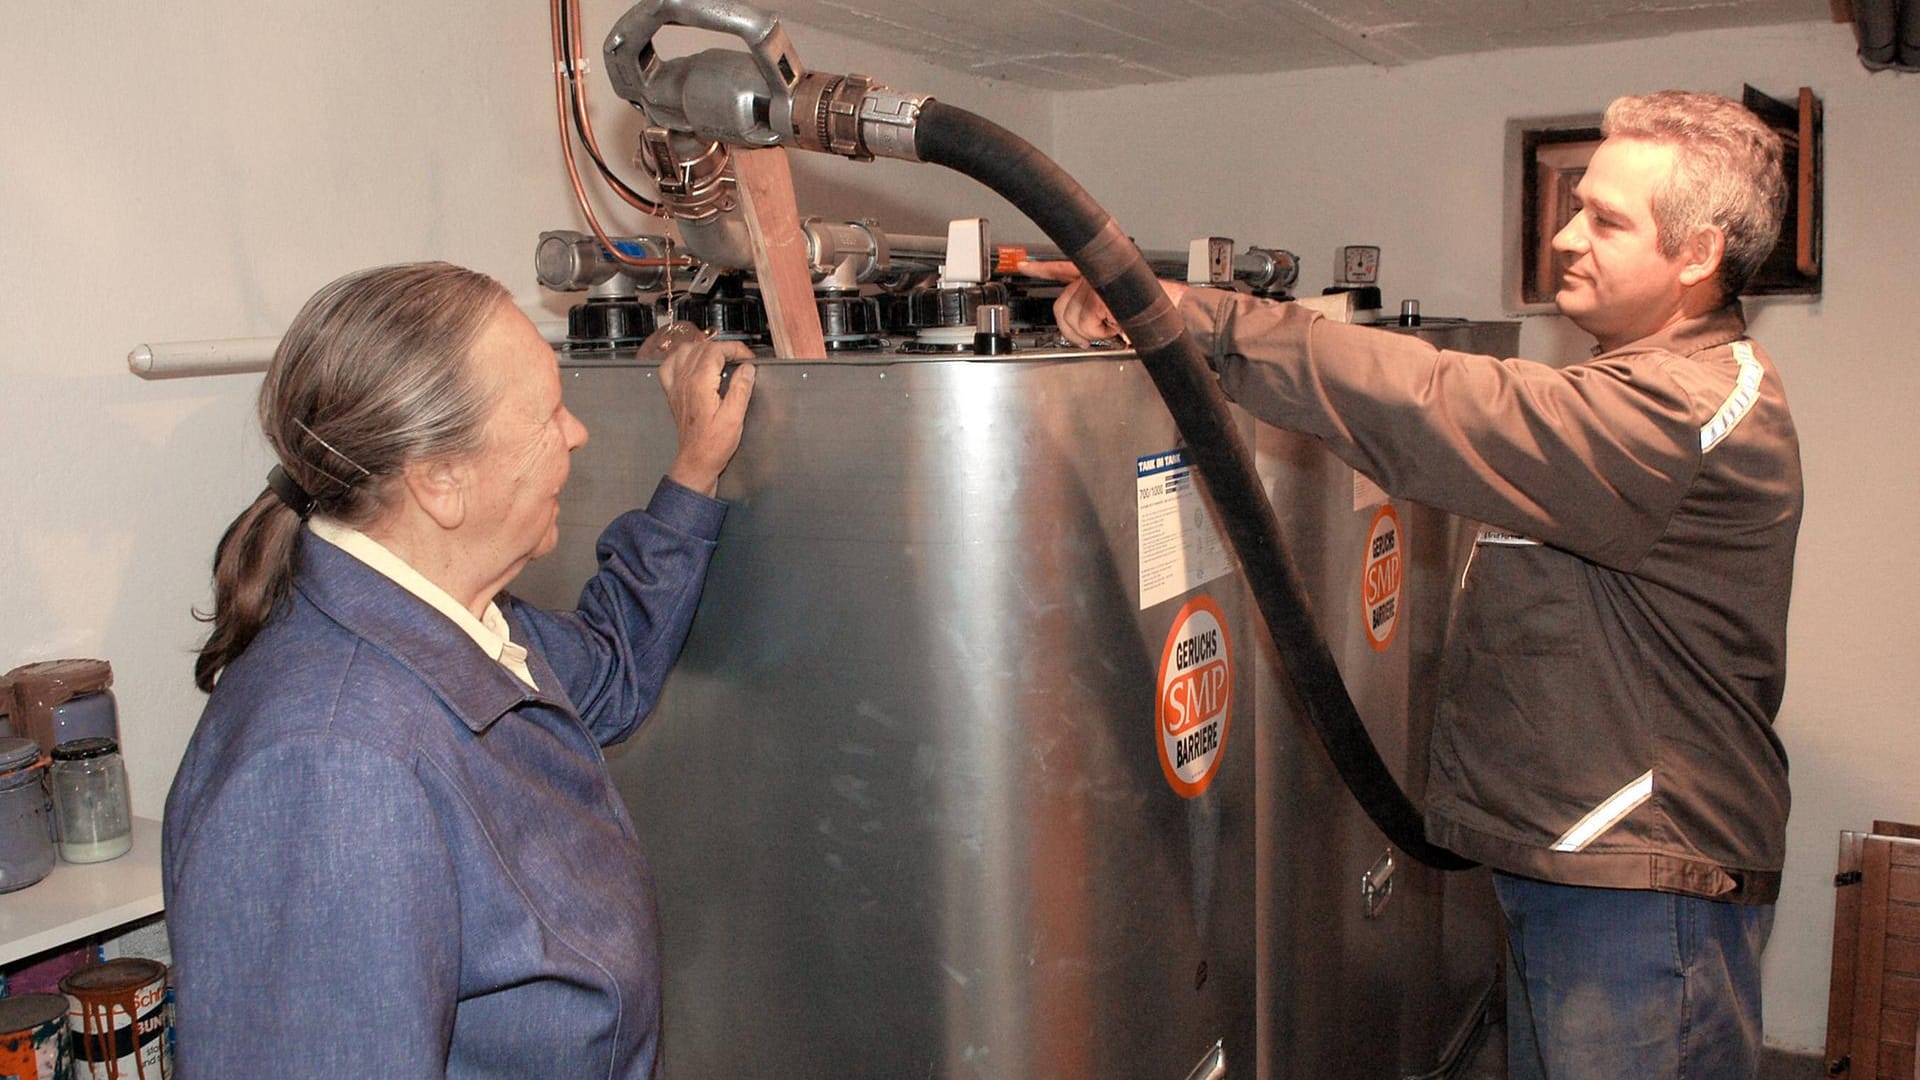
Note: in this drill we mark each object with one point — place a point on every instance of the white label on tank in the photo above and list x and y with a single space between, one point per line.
1366 493
1180 548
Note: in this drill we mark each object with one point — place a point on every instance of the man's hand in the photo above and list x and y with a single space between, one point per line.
708 424
1082 316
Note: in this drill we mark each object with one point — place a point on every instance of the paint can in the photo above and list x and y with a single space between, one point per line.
118 1016
33 1037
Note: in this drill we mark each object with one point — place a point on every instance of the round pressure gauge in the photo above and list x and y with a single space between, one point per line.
1360 264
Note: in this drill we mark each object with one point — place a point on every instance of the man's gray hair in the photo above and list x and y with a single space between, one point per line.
1727 175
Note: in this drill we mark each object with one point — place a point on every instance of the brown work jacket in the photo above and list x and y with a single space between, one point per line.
1617 649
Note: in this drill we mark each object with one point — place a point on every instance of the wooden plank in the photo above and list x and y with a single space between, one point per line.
1897 1026
1899 993
1903 920
1903 851
1903 886
1846 930
1903 956
765 184
1895 828
1870 958
1895 1062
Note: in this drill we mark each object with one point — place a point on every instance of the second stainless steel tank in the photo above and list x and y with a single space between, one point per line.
1361 976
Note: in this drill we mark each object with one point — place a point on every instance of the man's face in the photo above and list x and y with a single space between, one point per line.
1617 285
518 473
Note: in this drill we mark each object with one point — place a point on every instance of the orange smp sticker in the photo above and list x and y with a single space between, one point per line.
1196 696
1380 580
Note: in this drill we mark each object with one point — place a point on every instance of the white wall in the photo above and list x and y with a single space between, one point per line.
1410 159
176 172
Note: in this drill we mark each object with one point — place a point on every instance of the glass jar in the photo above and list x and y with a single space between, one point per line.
26 839
90 805
87 716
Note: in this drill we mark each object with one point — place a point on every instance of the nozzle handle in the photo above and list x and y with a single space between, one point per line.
632 62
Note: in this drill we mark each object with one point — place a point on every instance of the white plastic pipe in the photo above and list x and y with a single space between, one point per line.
184 359
235 356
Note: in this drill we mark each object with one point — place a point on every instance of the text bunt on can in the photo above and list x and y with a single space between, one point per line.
118 1017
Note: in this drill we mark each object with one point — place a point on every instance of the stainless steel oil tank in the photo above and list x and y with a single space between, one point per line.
908 795
924 797
1360 977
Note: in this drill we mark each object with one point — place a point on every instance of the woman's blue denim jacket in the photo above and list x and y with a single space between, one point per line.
385 856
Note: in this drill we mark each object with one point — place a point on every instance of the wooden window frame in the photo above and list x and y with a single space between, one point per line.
1546 157
1794 266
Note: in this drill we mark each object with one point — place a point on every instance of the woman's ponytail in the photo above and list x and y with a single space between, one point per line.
373 373
252 573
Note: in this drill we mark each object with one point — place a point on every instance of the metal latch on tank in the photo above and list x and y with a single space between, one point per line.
1376 886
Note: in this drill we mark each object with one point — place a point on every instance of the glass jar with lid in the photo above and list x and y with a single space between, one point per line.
26 841
90 804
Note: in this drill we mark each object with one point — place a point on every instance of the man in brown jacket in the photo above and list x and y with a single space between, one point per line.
1617 655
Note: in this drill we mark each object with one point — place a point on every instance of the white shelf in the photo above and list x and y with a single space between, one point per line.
78 899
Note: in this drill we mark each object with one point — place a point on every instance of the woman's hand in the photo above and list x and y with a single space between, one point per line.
1079 312
708 422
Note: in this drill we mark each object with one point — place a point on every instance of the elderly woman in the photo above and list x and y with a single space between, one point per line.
393 848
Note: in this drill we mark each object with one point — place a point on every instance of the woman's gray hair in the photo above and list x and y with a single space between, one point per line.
374 373
1727 175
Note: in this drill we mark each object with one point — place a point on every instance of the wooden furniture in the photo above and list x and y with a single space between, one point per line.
1873 1002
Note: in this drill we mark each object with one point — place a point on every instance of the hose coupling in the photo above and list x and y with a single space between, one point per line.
887 122
695 175
854 117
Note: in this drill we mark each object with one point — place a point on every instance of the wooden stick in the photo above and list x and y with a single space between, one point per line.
779 251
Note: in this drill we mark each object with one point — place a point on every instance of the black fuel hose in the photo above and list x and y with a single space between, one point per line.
1016 171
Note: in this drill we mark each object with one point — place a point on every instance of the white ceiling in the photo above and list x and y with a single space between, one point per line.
1081 44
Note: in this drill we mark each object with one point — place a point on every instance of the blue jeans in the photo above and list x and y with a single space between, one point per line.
1623 984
